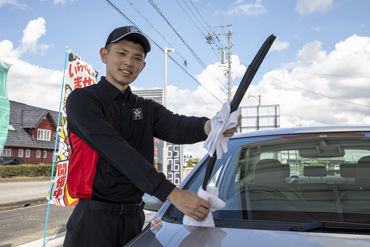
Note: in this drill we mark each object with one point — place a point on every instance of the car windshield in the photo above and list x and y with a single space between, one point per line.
292 178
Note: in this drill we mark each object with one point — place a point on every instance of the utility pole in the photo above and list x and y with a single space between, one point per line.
258 110
229 34
210 40
164 162
166 51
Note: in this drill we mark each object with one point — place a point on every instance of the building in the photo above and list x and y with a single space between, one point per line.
31 133
259 117
155 94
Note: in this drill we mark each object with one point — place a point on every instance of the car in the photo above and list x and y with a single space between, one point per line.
11 160
278 192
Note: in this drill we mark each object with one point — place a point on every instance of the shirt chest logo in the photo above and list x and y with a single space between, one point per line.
137 114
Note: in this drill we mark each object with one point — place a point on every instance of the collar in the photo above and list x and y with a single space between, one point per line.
111 90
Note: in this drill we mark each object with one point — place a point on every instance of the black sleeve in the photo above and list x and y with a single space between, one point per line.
176 128
86 119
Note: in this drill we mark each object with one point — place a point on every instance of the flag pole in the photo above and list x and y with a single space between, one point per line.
55 146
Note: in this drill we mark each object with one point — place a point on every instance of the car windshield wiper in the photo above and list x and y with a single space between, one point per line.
239 94
333 226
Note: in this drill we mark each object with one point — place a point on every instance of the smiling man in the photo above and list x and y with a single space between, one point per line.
111 132
125 60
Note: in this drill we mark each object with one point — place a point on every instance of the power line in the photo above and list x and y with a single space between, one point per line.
185 62
192 20
182 39
119 11
159 33
210 29
196 25
315 93
201 16
205 21
199 22
177 63
191 75
327 74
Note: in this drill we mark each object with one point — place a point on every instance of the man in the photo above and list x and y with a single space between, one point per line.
111 132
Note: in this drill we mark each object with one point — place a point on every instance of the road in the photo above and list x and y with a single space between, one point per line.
23 225
23 190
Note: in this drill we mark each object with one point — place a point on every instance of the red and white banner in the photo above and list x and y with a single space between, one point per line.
78 74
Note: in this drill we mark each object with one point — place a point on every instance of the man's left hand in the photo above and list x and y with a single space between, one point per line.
227 133
232 131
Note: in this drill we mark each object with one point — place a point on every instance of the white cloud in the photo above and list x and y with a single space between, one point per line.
34 85
239 7
279 45
200 102
59 2
31 34
12 2
62 2
28 83
7 51
311 52
305 7
301 89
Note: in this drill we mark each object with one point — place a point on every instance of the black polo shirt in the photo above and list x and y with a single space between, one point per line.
111 136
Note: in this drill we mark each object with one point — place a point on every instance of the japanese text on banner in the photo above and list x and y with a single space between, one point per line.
78 74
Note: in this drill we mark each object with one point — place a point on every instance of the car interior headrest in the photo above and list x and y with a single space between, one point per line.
270 171
364 160
347 170
314 171
363 170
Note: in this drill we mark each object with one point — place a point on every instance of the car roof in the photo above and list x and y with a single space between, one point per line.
303 130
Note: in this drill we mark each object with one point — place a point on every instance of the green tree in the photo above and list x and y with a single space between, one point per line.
192 162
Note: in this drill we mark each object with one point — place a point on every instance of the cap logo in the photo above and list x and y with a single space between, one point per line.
133 30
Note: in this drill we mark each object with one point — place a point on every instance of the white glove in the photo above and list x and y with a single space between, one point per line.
219 124
211 195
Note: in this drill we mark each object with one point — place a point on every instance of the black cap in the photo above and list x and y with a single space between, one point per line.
121 32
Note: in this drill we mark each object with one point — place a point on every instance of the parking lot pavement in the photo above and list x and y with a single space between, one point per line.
52 241
57 240
17 193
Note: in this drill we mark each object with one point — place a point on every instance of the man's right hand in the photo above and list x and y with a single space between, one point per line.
189 203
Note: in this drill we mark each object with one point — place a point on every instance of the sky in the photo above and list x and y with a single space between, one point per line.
317 70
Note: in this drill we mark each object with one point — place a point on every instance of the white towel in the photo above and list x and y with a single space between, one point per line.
223 121
211 195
